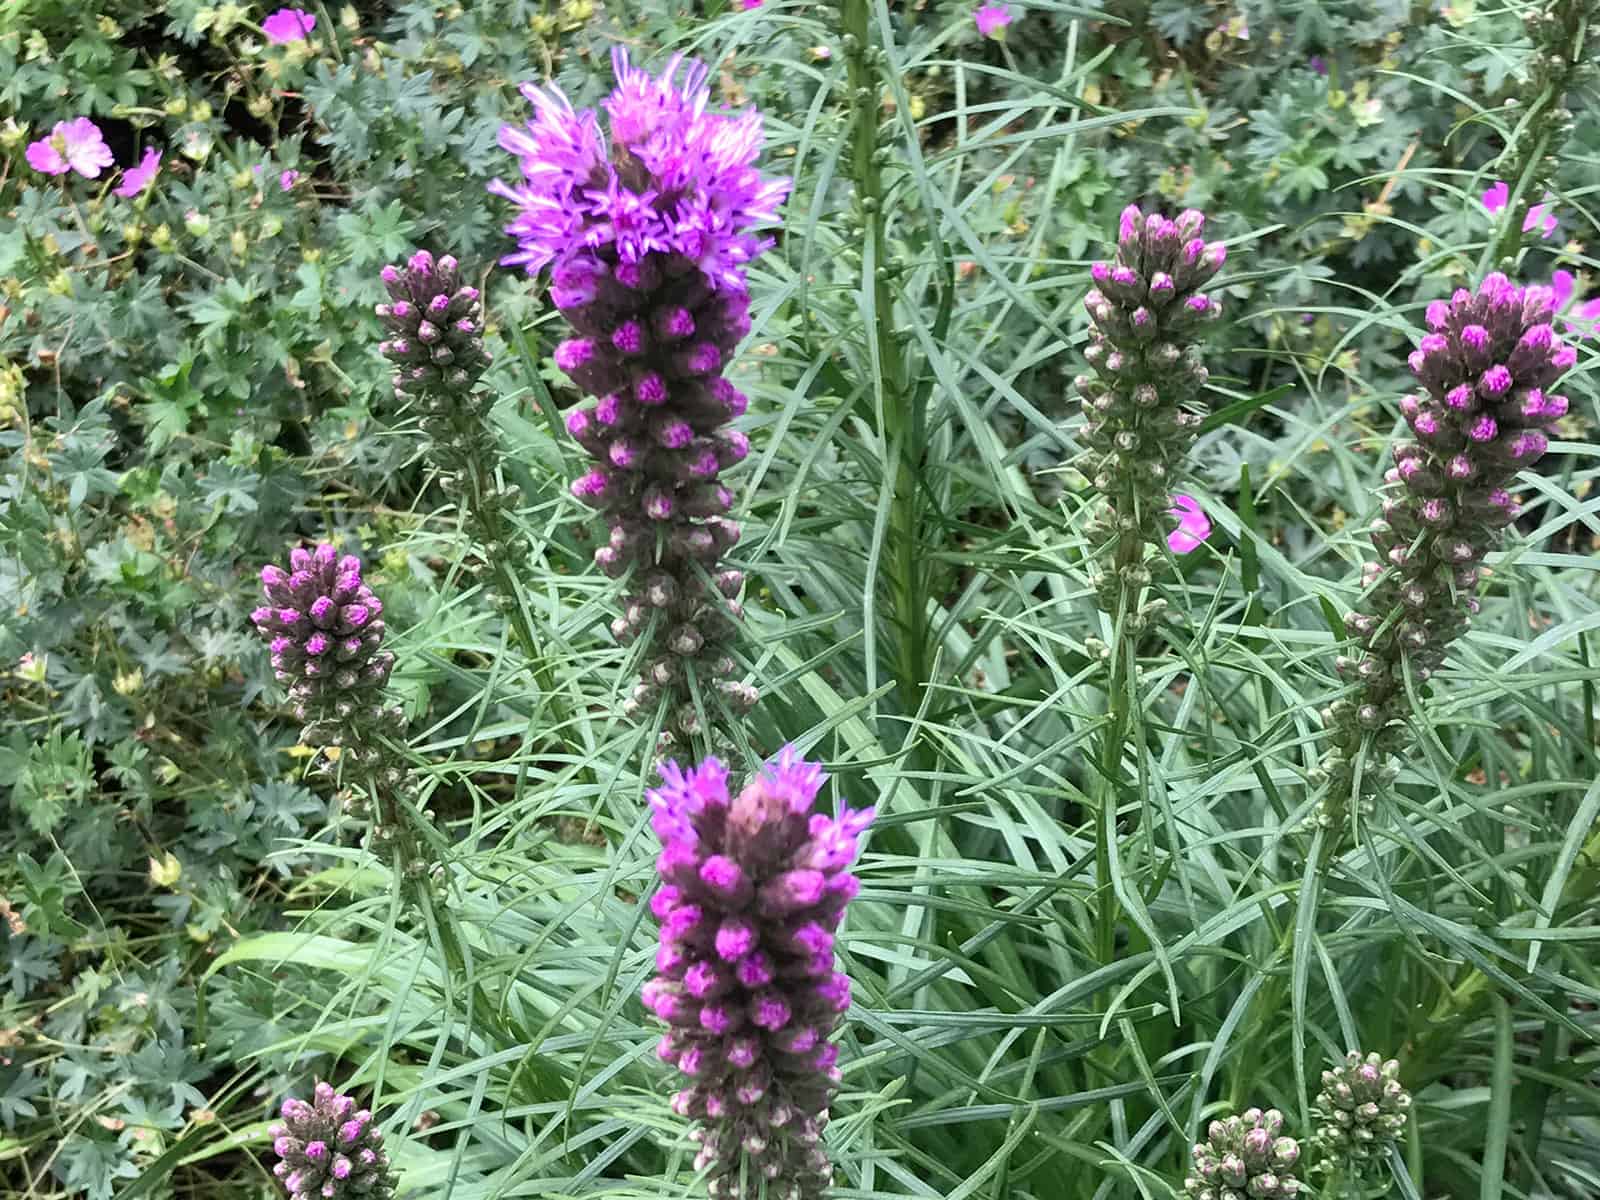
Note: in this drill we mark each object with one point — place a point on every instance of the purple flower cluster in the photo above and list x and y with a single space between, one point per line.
1245 1158
647 234
436 325
329 1149
1485 410
325 629
753 891
1145 310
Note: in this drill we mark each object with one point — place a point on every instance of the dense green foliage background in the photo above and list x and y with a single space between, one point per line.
189 383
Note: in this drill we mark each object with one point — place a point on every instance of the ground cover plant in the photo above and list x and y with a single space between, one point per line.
781 599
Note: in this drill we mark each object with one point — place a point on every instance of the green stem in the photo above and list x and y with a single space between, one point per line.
902 415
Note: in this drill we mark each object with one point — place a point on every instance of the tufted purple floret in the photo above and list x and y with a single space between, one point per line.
753 890
329 1149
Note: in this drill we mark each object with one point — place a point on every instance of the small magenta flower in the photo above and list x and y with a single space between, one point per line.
1583 318
992 20
288 179
1318 64
1245 1156
1194 527
136 179
1539 216
288 25
75 145
325 629
328 1149
753 891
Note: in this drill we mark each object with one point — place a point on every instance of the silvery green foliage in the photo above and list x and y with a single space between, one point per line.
1245 1156
328 1149
1360 1111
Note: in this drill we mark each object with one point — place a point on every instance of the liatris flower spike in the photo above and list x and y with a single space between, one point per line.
753 892
1361 1110
1245 1158
325 629
647 245
436 324
1485 412
328 1149
1145 310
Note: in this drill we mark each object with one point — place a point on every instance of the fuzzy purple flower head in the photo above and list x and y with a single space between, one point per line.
647 229
325 629
754 887
328 1149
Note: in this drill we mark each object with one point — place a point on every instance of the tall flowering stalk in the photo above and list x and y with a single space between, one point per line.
647 233
328 1148
1146 310
436 345
1484 412
754 888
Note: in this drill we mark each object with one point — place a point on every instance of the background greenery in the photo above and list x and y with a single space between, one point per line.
189 382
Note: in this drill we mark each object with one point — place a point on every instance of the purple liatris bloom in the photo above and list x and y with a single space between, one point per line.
1245 1156
75 145
1145 310
992 19
1484 412
647 230
436 327
1360 1112
753 891
325 629
328 1149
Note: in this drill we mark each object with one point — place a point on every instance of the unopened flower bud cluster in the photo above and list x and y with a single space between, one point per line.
1361 1110
1484 412
329 1149
1245 1157
1146 310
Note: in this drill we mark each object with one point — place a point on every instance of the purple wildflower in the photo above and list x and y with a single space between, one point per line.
288 179
647 230
754 888
992 19
136 179
1194 527
288 25
1582 318
75 145
1318 64
1539 216
436 323
328 1149
325 629
1145 312
1484 412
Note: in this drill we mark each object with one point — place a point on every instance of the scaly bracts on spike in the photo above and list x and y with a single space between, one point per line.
325 629
647 247
1360 1112
753 890
1485 411
436 344
1146 311
1245 1158
328 1149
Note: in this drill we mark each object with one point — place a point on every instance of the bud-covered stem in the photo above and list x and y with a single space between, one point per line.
1483 414
1562 32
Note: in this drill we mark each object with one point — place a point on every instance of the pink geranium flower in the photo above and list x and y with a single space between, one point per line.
74 145
136 179
288 179
992 19
1539 216
288 25
1193 528
1584 318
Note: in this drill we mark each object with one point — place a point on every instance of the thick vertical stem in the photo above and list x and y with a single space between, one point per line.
902 419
